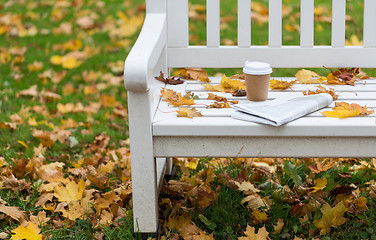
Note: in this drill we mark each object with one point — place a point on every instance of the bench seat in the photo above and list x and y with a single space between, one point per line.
229 137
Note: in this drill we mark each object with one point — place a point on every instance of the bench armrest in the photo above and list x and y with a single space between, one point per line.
139 65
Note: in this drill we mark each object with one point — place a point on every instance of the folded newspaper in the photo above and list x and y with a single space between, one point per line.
280 111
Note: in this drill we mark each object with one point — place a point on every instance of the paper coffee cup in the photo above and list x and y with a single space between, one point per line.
257 80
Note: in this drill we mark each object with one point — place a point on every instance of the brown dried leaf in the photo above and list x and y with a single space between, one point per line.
169 80
322 89
193 74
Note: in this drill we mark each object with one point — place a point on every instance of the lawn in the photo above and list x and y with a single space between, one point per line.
64 148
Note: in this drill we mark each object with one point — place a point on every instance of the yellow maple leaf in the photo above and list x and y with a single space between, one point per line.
176 99
70 62
250 233
332 217
188 112
227 85
71 192
30 232
343 110
259 216
232 84
309 77
56 60
276 84
320 184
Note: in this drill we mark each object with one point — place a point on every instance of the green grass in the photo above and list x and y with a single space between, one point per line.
226 218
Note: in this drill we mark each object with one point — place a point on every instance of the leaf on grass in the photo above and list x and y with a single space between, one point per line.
332 217
320 184
277 84
193 74
308 77
259 216
169 80
72 191
250 233
13 212
29 232
247 187
322 166
322 89
343 110
188 112
254 201
278 228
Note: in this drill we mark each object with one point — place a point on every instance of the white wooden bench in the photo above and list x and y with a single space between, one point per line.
163 43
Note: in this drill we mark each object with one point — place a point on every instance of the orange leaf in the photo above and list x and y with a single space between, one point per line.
322 89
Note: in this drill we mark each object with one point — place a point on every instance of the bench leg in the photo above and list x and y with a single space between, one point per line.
144 172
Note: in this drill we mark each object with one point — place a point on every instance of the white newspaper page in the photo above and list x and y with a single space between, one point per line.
279 112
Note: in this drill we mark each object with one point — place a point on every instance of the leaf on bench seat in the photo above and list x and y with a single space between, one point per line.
176 99
169 80
343 110
276 84
227 85
309 77
322 89
193 74
188 112
343 76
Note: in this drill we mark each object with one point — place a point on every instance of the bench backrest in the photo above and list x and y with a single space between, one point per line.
181 54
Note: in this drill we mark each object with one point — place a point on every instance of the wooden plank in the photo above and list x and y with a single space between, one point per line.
177 22
213 23
338 23
161 170
244 23
305 87
292 56
359 147
225 126
369 34
306 23
275 23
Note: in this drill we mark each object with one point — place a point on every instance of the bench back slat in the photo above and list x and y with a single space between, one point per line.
244 23
213 23
369 35
275 23
306 23
177 14
338 23
305 54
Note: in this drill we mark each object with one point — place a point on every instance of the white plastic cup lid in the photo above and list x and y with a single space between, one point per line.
257 68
